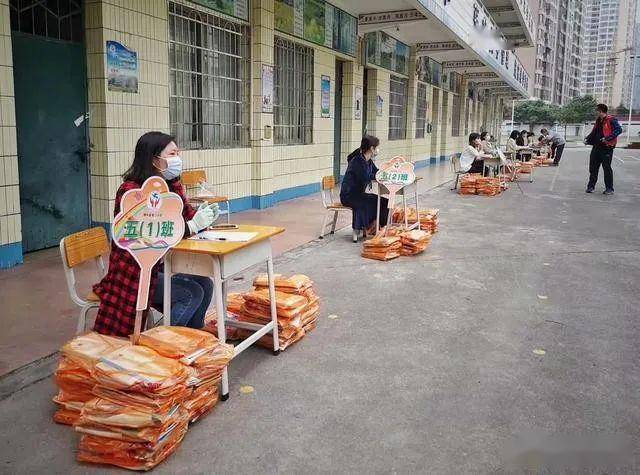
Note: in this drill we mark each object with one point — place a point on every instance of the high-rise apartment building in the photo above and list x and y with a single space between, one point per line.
635 105
609 41
559 43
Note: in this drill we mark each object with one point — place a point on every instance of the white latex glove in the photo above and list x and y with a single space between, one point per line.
204 217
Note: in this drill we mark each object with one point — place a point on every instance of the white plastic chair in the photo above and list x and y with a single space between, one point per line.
77 249
456 169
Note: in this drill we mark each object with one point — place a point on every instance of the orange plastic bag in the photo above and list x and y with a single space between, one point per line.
284 302
107 413
139 369
180 343
145 402
150 434
295 284
130 455
85 350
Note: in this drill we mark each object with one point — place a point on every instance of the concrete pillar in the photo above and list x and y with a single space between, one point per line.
10 219
352 77
262 43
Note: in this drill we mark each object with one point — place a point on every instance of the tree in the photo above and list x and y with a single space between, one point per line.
578 111
622 110
535 112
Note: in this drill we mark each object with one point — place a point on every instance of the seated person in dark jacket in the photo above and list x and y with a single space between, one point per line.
361 171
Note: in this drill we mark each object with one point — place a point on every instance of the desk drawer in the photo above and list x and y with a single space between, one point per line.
192 263
245 258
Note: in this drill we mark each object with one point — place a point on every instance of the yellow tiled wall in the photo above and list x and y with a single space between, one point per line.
10 223
118 119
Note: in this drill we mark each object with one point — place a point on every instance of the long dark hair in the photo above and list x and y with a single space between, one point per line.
483 135
472 137
149 146
366 143
514 134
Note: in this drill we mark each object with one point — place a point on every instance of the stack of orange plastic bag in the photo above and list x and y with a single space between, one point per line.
137 419
297 306
73 375
428 218
382 248
199 350
414 242
488 186
298 284
468 183
235 301
524 167
290 309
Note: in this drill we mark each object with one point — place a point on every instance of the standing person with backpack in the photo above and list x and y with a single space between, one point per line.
603 138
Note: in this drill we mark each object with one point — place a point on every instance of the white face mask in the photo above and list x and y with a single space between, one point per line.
174 168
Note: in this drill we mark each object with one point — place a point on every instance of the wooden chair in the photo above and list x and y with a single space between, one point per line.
332 206
77 249
456 169
193 178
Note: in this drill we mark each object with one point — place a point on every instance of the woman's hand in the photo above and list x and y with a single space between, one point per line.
204 217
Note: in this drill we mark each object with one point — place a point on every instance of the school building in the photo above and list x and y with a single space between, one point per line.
267 96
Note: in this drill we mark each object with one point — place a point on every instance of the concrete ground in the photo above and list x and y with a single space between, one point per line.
520 320
41 316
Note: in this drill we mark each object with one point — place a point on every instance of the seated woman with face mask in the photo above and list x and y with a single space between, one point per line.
472 158
156 154
361 171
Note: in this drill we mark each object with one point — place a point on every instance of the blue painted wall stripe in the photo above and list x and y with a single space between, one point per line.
10 255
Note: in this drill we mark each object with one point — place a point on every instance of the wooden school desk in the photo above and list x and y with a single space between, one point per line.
222 261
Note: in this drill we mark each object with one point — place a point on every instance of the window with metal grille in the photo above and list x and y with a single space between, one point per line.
209 80
397 108
293 93
421 110
456 115
60 19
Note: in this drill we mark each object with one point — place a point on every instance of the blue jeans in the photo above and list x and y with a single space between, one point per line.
190 298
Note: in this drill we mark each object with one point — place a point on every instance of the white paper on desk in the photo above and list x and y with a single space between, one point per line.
224 236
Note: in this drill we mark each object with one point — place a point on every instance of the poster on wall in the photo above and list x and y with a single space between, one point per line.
325 97
317 21
358 103
235 8
314 23
284 17
379 105
267 88
122 68
385 51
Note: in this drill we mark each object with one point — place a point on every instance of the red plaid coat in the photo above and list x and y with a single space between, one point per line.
118 290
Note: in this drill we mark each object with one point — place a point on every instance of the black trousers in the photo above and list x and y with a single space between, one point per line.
477 167
601 156
556 151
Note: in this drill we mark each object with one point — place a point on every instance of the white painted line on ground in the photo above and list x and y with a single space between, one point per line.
553 182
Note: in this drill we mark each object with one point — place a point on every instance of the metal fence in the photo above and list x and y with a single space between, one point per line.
209 79
293 93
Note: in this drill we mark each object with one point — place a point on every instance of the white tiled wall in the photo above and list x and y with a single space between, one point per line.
10 223
118 119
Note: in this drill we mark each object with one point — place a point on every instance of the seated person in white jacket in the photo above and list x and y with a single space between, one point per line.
472 159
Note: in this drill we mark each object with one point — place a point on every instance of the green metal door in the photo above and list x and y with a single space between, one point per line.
337 122
51 98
